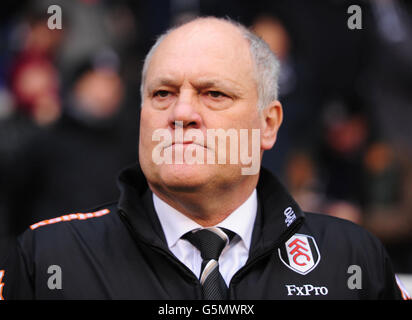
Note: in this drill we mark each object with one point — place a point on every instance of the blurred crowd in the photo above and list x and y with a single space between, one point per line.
69 105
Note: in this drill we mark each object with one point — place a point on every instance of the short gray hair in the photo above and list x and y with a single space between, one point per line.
266 64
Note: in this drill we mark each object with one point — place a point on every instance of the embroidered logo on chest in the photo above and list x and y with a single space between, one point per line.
300 253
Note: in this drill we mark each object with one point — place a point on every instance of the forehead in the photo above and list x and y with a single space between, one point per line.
201 50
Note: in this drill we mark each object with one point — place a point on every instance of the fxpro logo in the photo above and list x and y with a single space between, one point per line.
306 290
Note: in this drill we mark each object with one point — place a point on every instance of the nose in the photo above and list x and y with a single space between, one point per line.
185 112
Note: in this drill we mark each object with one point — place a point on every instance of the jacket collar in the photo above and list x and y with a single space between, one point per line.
136 203
278 217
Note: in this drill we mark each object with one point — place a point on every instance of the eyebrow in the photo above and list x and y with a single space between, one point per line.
225 84
200 83
164 81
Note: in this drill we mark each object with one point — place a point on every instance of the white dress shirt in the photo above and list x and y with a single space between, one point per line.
233 257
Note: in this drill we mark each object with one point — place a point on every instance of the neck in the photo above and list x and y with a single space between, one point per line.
206 209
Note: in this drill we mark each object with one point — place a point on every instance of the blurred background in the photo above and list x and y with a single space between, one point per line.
69 105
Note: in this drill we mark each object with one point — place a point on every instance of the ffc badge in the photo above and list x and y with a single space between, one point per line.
300 253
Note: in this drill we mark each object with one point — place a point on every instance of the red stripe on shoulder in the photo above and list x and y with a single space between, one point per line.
69 217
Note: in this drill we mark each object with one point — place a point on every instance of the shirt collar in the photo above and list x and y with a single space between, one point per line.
175 224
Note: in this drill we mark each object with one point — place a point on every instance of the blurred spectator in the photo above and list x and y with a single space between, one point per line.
388 213
74 164
346 135
382 177
385 86
34 76
303 181
68 124
274 32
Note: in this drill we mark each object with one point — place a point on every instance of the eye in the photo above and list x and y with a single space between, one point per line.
216 94
161 93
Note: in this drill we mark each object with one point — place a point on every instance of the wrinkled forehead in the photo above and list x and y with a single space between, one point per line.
208 47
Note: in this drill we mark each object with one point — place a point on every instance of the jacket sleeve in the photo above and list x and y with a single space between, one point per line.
383 276
16 274
379 281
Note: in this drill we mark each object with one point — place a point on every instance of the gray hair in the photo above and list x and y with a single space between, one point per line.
266 64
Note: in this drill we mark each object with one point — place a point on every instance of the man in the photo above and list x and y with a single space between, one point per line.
203 229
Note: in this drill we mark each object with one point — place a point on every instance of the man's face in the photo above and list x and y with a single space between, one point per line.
200 77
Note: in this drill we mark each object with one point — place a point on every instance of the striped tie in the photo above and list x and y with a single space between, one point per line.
210 242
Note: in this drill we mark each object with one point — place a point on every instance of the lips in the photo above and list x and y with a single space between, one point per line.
185 143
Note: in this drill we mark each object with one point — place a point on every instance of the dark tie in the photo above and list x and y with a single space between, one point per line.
210 243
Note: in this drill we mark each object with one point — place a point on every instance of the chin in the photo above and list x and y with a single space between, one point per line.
185 176
198 178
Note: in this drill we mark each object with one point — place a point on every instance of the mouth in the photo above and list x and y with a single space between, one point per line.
180 142
185 144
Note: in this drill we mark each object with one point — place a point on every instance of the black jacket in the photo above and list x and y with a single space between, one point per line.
120 252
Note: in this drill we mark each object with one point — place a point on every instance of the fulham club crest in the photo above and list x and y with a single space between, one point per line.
300 253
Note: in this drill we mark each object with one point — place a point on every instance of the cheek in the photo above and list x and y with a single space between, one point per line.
144 119
151 119
248 121
147 126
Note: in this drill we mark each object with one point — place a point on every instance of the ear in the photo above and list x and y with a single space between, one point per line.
271 117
